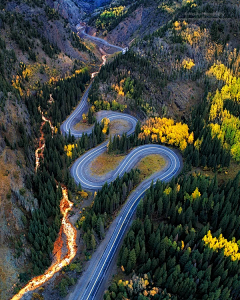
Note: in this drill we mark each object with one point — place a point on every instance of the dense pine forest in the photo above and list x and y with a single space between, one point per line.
180 79
184 242
106 203
46 184
41 60
64 100
60 151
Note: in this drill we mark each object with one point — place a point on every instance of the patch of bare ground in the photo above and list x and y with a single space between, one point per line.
182 96
119 127
105 163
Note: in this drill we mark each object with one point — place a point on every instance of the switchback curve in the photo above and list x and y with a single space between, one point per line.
80 173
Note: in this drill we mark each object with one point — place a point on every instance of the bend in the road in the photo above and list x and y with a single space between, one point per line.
96 39
79 172
171 169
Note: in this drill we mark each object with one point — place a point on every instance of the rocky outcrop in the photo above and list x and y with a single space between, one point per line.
92 4
75 10
28 202
143 21
70 10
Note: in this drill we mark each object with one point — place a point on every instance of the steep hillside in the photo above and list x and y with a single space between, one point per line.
188 70
16 199
164 73
36 46
76 10
125 20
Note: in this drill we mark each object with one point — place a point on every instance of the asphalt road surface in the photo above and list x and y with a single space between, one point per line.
171 169
80 172
93 278
96 39
76 116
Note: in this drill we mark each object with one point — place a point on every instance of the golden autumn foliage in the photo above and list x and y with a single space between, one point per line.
153 291
224 125
196 193
193 34
83 194
198 143
182 246
105 105
141 283
166 131
146 282
178 187
16 83
189 2
83 70
221 72
230 91
119 88
235 151
188 63
230 247
167 191
106 123
190 138
69 148
170 9
53 80
29 75
177 25
171 6
106 17
82 219
145 293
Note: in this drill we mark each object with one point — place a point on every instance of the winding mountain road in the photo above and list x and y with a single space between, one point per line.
99 40
95 276
80 172
76 116
91 280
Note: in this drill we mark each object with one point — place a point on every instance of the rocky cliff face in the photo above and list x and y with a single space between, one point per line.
70 10
75 10
92 4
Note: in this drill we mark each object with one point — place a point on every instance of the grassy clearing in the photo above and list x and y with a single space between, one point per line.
82 126
105 163
224 175
150 164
